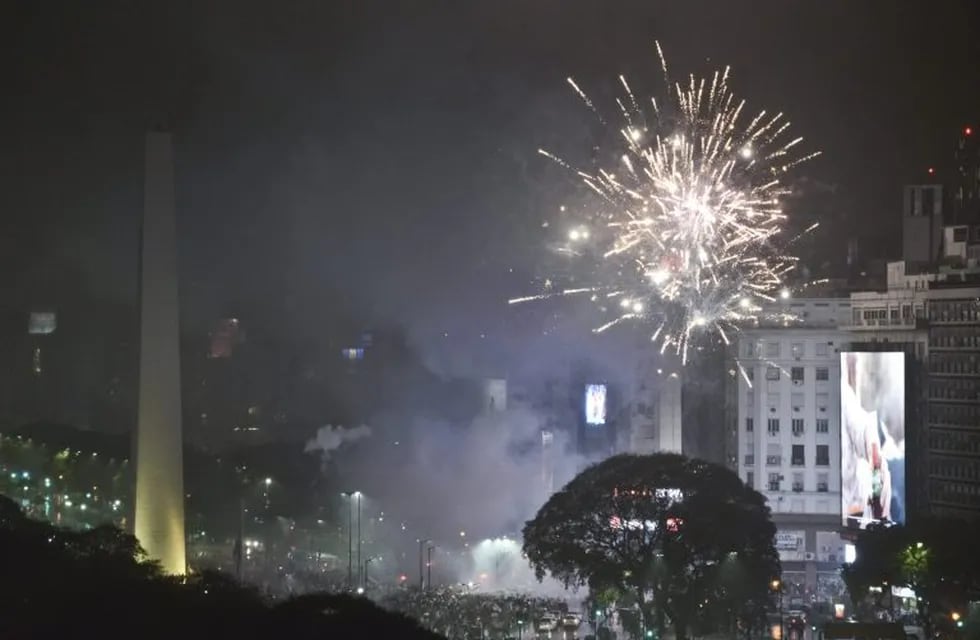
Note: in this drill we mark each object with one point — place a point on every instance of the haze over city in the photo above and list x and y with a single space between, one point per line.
484 314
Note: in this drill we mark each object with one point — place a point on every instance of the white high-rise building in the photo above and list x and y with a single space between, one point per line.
655 412
787 443
494 394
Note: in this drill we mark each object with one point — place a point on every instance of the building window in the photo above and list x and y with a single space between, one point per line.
772 349
748 349
823 425
774 455
749 459
774 482
797 425
773 426
797 482
750 424
821 349
796 374
797 349
749 373
772 373
799 456
750 479
823 374
796 401
773 402
823 455
823 401
822 483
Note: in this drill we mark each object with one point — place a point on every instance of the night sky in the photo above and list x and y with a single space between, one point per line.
379 159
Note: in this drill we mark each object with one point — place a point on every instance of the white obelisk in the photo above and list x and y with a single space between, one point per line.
159 521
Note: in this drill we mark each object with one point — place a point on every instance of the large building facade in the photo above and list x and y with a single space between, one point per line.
785 438
935 319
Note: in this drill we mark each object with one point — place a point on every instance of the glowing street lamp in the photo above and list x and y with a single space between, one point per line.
367 562
350 536
777 586
422 544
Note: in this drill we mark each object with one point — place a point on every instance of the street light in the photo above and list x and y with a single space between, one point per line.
368 561
428 567
422 544
268 486
350 536
777 586
360 539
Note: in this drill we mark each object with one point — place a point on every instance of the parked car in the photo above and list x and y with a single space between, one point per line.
571 620
548 622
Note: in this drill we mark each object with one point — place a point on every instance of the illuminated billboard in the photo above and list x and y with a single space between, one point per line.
227 334
595 404
41 323
872 438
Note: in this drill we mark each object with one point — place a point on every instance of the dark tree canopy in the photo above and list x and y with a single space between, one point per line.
666 532
58 583
931 557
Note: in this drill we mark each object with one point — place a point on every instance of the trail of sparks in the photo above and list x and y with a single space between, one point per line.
686 228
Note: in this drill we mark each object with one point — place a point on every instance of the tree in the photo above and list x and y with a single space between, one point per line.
927 556
668 530
61 583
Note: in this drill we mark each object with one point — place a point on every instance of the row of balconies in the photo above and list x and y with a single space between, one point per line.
890 323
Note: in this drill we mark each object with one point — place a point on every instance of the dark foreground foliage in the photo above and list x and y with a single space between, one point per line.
56 583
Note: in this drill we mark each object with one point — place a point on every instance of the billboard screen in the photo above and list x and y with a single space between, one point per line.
224 338
41 323
595 404
872 438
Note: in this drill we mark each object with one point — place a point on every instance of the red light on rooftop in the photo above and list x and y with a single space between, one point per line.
968 131
931 171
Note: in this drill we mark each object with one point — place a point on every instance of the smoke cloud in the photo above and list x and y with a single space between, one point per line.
461 486
329 438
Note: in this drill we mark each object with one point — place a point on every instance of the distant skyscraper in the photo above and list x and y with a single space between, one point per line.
922 222
966 180
495 394
159 522
669 430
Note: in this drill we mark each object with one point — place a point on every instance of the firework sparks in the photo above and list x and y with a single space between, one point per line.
685 230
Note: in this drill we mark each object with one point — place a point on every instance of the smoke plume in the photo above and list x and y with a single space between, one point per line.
329 438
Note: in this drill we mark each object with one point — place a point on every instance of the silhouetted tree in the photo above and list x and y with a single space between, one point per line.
670 531
61 583
931 557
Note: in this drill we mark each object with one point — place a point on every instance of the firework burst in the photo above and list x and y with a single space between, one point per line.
685 233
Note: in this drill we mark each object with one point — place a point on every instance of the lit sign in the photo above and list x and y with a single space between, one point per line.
788 541
595 404
872 437
352 354
42 323
673 524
